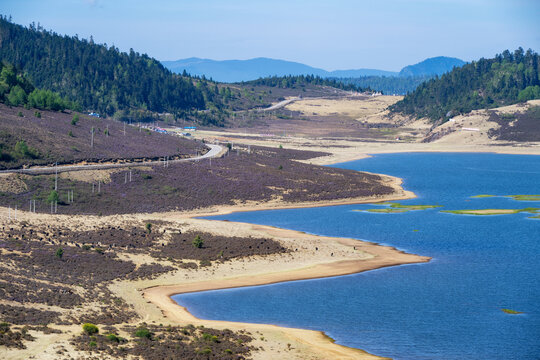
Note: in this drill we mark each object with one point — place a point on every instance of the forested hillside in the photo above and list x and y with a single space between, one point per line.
98 77
16 90
487 83
301 81
388 85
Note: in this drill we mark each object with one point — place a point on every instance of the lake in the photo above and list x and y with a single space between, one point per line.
449 308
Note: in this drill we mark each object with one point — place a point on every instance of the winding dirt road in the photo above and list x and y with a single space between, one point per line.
215 150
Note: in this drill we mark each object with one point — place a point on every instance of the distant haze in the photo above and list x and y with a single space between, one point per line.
245 70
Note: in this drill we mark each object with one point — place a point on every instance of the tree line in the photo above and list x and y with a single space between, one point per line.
299 81
506 79
389 85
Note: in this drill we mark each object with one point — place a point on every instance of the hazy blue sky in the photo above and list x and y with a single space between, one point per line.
332 34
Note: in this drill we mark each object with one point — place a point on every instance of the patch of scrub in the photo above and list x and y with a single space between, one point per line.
481 196
511 312
492 211
398 208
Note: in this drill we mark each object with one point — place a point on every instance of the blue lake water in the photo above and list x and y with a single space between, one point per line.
448 308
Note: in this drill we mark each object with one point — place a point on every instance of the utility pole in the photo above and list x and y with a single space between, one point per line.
56 176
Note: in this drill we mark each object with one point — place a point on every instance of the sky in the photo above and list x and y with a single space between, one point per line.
330 34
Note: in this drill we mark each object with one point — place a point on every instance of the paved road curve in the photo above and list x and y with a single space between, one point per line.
214 151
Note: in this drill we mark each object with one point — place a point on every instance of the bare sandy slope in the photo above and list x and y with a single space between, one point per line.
464 133
356 107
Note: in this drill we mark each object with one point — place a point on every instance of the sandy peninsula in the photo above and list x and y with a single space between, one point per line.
332 257
308 257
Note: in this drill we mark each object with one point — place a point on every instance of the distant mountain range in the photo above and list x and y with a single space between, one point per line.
245 70
432 66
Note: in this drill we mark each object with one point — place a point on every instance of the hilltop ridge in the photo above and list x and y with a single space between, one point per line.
252 69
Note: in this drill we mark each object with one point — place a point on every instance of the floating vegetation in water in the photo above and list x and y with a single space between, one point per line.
399 208
511 312
494 211
525 197
515 197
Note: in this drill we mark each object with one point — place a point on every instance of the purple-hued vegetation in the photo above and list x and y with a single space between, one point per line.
56 139
262 175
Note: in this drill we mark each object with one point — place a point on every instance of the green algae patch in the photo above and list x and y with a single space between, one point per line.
388 210
492 211
511 312
393 208
514 197
525 197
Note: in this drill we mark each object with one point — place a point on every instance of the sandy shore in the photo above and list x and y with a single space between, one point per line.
334 257
319 345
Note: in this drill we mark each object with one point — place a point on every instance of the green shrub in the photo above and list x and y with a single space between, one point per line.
228 351
529 93
59 253
206 351
143 333
148 227
37 114
146 176
198 242
4 327
113 338
75 119
90 329
70 133
210 337
92 344
22 150
53 197
20 114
